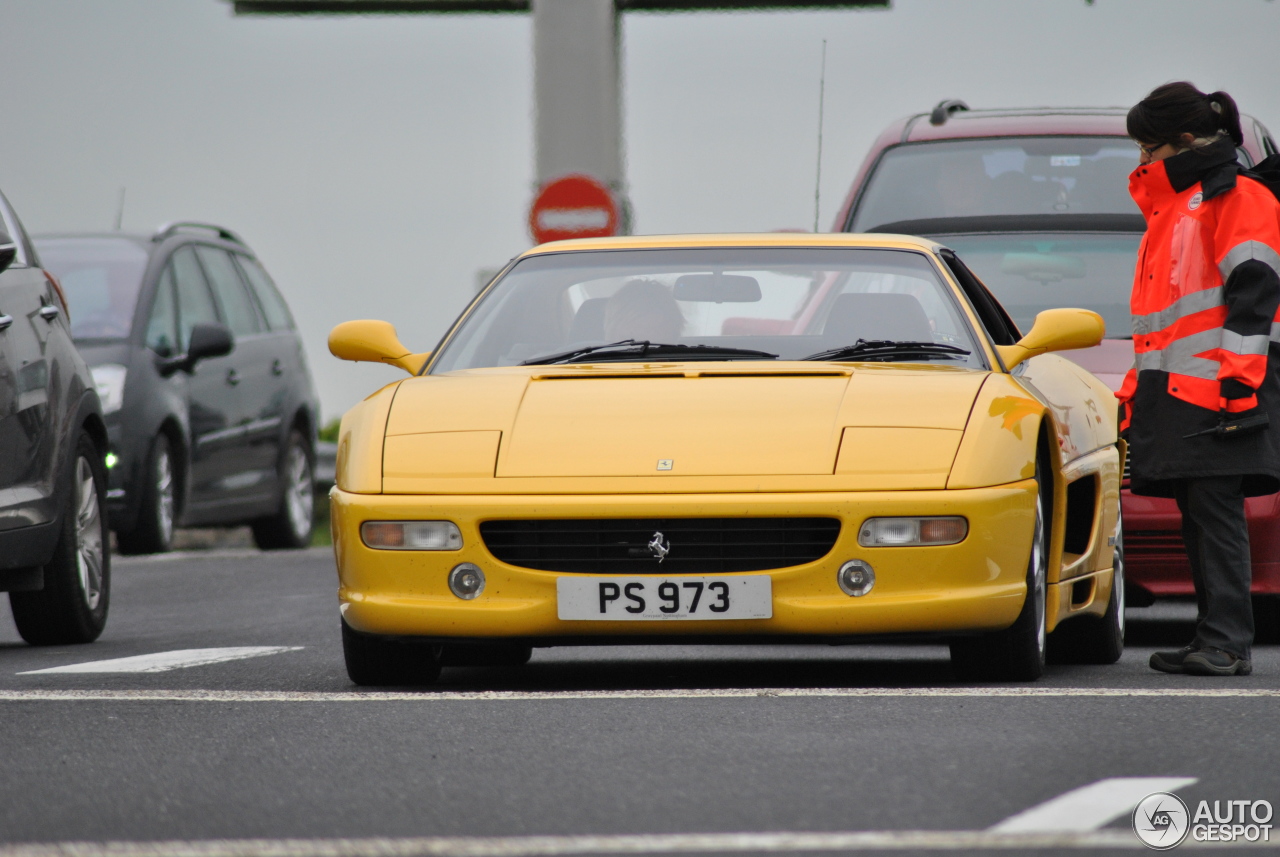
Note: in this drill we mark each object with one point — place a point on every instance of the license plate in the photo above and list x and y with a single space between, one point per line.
661 598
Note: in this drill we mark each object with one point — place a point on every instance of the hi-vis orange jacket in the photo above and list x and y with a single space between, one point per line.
1206 293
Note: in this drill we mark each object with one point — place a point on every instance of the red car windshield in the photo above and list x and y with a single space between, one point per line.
998 176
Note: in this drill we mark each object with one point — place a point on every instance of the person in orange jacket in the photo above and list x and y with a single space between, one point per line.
1201 407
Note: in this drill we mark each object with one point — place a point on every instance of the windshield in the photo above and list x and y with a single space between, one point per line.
1029 273
101 277
792 302
1007 175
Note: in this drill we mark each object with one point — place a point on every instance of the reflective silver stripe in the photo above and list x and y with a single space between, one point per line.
1182 307
1237 344
1243 252
1180 357
1275 331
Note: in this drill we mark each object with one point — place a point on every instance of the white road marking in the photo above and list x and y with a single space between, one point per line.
164 661
1089 807
428 695
545 846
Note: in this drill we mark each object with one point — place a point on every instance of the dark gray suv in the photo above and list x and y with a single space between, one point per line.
53 531
209 404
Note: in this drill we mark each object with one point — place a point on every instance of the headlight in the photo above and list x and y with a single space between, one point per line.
903 532
108 380
411 535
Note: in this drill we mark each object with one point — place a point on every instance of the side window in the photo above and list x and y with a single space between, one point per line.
162 326
999 326
273 305
10 226
195 304
237 306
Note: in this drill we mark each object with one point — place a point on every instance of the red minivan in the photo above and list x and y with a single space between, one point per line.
1036 203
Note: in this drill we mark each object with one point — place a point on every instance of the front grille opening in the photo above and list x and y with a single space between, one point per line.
696 545
1082 501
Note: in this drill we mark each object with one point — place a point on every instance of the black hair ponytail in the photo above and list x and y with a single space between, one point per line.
1179 108
1228 115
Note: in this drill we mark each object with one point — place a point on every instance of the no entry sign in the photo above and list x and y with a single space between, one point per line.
574 206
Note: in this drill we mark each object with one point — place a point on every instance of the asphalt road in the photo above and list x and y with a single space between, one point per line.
583 750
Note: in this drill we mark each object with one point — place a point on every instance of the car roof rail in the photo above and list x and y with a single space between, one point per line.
167 229
943 110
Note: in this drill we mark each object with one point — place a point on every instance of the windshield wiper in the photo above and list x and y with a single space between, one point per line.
630 349
888 349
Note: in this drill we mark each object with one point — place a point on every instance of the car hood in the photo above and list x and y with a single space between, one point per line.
1109 360
674 427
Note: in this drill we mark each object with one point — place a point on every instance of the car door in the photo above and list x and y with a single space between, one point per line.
256 388
28 426
211 401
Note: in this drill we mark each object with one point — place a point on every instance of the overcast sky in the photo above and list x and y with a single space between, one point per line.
375 164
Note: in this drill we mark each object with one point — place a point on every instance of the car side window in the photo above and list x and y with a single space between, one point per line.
10 226
229 289
195 303
162 325
273 305
999 326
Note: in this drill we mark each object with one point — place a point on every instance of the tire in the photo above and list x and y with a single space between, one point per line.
1266 619
158 513
1095 639
1018 652
379 662
485 655
72 606
290 527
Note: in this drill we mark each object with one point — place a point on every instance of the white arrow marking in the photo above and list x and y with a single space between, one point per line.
162 661
1089 807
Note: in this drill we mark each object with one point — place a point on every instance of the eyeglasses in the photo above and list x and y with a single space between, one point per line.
1149 151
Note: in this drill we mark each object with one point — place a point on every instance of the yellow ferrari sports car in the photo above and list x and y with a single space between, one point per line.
730 439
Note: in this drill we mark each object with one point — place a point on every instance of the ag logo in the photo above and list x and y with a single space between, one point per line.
1194 202
1161 821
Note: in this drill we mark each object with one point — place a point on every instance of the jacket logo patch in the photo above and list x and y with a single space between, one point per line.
1194 202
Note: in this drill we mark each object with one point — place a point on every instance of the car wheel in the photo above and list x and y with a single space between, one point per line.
1094 639
1266 619
379 662
485 655
290 527
1018 652
159 510
72 606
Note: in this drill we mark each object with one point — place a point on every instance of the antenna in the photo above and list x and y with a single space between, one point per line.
120 209
822 98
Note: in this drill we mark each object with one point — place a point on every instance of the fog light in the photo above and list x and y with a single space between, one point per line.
466 581
856 578
901 532
411 535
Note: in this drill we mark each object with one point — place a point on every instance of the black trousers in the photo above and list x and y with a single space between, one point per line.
1217 539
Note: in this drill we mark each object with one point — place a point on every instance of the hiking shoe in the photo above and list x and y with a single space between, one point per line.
1170 662
1211 661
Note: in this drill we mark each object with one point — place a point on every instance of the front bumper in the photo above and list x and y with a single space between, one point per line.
976 585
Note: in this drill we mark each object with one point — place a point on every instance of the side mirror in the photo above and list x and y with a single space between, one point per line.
207 340
1056 330
370 341
8 250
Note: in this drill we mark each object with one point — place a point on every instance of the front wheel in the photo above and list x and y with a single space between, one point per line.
1018 652
290 527
72 606
1096 639
159 505
380 662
